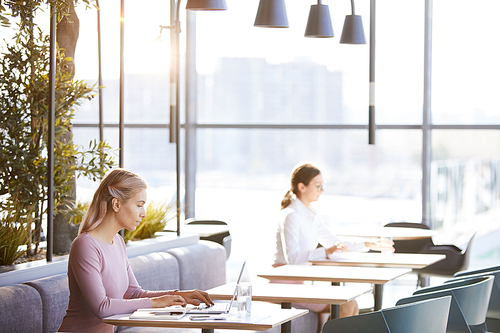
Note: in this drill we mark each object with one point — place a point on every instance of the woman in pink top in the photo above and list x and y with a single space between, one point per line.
101 282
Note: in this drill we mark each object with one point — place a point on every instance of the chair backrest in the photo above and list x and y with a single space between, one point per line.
54 291
368 322
466 253
207 257
428 316
21 309
478 271
213 222
494 305
469 303
410 245
407 225
226 242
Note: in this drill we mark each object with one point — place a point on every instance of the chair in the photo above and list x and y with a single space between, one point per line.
224 239
493 314
410 245
428 316
469 303
456 259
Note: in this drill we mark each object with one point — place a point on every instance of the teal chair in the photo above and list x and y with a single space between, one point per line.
429 316
469 303
493 314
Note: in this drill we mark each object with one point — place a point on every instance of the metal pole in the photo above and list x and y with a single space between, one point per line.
178 124
174 98
427 121
122 79
99 60
371 108
121 130
189 130
50 134
173 69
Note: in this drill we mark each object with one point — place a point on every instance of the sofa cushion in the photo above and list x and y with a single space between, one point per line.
54 291
201 266
156 271
21 309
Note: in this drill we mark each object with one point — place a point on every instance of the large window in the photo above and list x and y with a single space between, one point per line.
465 65
267 99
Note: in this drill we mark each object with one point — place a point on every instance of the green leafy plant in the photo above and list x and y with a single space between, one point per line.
24 107
157 217
79 211
13 240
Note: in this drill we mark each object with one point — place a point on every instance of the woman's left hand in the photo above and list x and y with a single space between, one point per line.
195 296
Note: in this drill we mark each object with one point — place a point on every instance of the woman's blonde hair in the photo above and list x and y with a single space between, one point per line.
120 184
303 173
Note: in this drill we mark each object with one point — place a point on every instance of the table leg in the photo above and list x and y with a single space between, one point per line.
334 311
286 327
378 291
207 330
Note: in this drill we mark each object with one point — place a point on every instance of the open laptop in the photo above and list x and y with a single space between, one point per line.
218 308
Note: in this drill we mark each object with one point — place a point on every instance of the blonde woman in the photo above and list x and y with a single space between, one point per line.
101 282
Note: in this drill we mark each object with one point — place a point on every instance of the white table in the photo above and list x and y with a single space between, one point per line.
260 320
286 294
397 233
338 274
388 260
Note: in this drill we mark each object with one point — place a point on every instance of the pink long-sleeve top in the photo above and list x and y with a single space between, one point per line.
101 284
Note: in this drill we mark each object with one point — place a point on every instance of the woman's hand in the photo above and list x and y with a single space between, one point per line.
195 296
338 247
167 300
379 246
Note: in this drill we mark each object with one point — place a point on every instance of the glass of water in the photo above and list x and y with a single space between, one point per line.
244 299
386 244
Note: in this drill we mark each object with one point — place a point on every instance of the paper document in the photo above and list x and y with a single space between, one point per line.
170 312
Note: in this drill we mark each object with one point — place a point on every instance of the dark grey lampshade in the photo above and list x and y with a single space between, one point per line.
206 5
353 32
319 23
271 14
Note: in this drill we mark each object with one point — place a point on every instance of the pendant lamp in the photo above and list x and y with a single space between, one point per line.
319 23
353 32
271 14
206 5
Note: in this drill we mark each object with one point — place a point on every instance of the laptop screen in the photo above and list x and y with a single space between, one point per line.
237 283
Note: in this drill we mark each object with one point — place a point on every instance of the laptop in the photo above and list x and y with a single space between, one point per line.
218 308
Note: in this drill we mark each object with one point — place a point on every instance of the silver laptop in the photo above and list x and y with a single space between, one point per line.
218 308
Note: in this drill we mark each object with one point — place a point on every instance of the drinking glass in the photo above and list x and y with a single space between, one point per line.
244 299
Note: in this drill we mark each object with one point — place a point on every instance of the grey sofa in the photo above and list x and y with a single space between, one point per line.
40 305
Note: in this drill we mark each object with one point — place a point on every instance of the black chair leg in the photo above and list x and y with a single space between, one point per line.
423 281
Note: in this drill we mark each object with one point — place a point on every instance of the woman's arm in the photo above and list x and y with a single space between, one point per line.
291 238
85 265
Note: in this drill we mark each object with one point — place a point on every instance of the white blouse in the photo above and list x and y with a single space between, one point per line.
300 229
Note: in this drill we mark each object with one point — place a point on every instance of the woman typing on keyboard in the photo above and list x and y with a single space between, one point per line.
101 282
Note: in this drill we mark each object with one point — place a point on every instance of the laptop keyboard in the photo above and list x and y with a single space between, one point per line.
215 307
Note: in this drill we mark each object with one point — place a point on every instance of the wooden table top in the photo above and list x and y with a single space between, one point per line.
388 260
294 293
396 233
260 320
334 274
